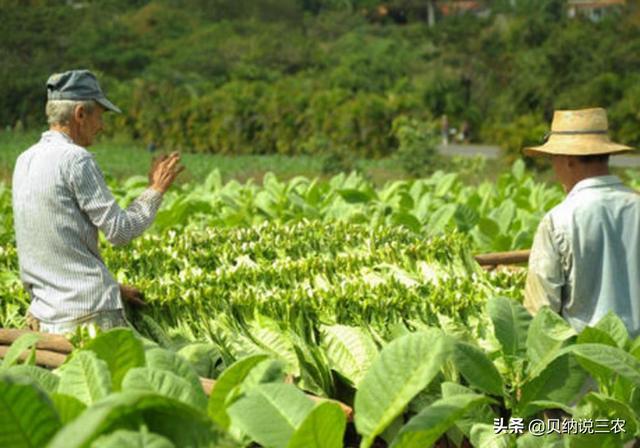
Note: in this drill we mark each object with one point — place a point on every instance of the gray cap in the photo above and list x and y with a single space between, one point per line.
77 85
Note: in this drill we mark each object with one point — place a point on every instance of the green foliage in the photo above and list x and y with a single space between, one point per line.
405 367
271 413
478 369
426 427
277 76
86 378
132 439
181 424
165 383
406 395
350 351
226 388
27 416
417 144
25 342
46 380
323 427
510 322
121 350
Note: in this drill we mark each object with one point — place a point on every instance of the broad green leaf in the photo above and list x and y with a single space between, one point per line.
350 351
428 426
353 196
533 407
46 380
477 368
167 384
403 368
271 339
611 358
271 370
466 217
445 184
315 372
592 335
181 424
626 391
596 405
483 413
162 359
270 413
132 439
85 377
547 333
450 389
68 407
484 436
27 416
504 216
392 430
614 327
560 381
205 359
323 427
635 348
510 323
121 350
440 218
19 346
518 169
406 219
522 240
488 227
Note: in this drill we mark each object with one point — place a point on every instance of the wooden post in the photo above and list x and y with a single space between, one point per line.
496 258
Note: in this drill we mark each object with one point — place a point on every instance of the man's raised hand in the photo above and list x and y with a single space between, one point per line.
164 171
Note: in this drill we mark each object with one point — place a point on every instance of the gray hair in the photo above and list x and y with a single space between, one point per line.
61 111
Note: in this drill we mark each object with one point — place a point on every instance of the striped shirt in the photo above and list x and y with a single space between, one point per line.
585 259
60 201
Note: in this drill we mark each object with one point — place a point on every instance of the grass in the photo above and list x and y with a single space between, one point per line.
121 159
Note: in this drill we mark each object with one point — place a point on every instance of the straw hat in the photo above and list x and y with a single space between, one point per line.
581 132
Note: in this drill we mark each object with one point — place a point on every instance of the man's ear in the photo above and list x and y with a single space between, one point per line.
79 113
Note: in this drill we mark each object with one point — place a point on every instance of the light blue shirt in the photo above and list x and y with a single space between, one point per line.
585 259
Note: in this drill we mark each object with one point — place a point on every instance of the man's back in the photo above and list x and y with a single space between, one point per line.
56 240
586 256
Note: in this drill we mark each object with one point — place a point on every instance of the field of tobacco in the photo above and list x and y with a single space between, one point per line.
329 314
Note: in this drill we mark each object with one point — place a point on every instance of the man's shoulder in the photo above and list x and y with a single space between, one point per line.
585 204
58 140
71 151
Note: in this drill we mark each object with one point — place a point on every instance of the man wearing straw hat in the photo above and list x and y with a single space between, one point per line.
585 259
61 201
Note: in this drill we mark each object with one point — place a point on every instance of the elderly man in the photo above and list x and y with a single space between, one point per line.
60 201
585 259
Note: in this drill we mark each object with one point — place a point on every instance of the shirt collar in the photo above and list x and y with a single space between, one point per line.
57 135
595 182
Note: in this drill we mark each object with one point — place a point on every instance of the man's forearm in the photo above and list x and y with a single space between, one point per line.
138 217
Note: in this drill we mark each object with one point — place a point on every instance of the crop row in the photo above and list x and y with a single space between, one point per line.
410 391
498 216
339 273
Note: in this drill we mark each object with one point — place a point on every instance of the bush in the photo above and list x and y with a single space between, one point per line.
417 145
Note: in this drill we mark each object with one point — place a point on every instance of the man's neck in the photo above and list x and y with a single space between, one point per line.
586 171
65 129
